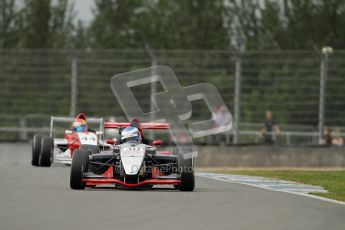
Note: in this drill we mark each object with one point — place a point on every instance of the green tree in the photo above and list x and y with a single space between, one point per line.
286 24
80 39
111 27
188 24
45 25
8 17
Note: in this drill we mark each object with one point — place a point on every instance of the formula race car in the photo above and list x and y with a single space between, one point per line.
132 164
46 149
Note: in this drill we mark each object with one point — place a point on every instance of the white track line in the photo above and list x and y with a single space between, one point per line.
266 181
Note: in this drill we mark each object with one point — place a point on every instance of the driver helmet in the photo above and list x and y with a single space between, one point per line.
79 125
130 134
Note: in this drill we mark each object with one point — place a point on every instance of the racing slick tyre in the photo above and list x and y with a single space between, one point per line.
148 186
46 154
80 164
36 148
93 149
187 174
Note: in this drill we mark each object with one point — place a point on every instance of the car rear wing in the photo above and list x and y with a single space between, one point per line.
119 125
91 120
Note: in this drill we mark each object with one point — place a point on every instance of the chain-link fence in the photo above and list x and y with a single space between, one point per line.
38 83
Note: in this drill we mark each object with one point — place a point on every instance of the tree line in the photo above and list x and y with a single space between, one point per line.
179 24
285 82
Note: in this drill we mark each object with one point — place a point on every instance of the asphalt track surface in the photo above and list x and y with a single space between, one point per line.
40 198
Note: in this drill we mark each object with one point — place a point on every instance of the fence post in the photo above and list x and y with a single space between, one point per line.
237 97
153 85
326 51
74 86
23 135
288 139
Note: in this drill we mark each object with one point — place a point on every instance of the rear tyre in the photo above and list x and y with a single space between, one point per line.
46 155
80 164
186 169
36 149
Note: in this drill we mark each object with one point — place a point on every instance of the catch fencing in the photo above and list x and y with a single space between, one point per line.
36 84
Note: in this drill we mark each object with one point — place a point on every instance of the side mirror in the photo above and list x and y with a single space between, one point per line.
157 142
111 141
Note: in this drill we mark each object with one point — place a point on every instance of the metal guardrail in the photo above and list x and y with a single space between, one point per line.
286 138
249 134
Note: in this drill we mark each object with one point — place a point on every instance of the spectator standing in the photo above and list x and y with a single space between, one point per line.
337 139
327 137
270 129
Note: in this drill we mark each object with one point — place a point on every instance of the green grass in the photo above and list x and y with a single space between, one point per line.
332 181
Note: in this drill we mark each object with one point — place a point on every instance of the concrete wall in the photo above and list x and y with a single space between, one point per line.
267 156
223 156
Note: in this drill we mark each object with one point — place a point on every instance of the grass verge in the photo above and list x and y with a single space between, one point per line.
332 181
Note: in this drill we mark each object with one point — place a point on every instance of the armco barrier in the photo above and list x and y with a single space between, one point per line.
270 156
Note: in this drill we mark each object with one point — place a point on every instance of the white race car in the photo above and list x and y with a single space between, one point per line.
47 149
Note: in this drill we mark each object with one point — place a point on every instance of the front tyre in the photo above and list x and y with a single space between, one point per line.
80 164
46 155
186 169
93 149
36 149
